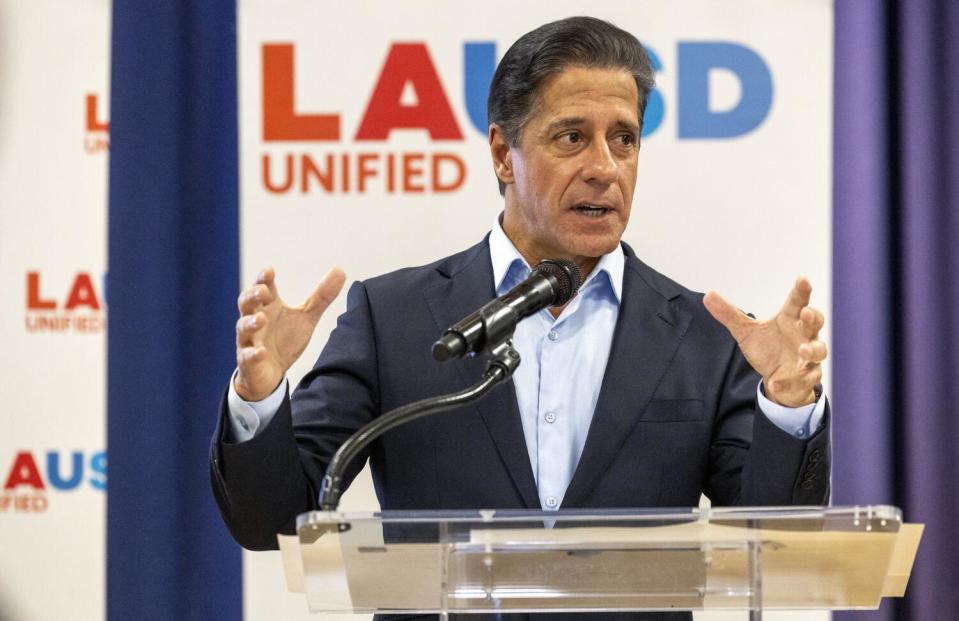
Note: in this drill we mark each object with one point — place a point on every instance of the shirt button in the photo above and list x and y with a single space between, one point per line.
550 417
553 335
551 502
801 433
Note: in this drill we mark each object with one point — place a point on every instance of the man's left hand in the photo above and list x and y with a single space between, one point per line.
785 349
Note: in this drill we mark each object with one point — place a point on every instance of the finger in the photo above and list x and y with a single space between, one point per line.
798 298
245 356
813 351
267 276
330 286
801 385
812 377
737 322
247 302
811 321
247 328
254 299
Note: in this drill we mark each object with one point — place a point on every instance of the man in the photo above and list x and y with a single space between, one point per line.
638 393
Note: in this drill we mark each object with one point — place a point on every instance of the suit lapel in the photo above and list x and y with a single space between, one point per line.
468 286
647 335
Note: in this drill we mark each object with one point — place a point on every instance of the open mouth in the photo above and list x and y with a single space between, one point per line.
591 211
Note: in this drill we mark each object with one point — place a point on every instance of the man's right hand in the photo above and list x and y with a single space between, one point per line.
270 335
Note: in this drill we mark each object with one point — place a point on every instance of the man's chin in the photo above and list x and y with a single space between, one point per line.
593 247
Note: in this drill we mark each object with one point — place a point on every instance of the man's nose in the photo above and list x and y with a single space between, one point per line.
600 165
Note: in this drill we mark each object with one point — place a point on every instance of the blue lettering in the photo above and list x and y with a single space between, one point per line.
479 64
653 116
98 465
53 471
696 60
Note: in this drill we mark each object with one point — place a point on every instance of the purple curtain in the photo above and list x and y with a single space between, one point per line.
896 280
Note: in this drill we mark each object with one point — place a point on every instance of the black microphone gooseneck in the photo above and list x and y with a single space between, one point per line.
488 331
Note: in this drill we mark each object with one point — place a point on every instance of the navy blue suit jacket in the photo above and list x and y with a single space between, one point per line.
676 414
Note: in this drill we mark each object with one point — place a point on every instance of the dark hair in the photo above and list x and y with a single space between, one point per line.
548 50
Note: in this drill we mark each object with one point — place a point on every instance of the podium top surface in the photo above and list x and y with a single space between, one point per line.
601 559
855 518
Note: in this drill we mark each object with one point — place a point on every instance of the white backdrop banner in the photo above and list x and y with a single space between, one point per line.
364 145
54 73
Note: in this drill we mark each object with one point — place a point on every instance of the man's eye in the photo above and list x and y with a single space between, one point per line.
627 140
571 137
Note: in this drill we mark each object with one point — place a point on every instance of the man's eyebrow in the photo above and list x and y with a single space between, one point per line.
565 123
628 126
570 122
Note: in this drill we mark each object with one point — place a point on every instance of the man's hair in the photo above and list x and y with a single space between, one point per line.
550 49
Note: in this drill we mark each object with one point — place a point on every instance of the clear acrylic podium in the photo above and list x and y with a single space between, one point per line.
601 560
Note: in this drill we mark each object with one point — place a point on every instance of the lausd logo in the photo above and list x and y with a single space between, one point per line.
409 95
97 137
24 488
80 310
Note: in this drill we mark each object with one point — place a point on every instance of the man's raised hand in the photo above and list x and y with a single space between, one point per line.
270 335
785 350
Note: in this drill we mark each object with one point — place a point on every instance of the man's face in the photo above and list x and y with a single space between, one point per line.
570 180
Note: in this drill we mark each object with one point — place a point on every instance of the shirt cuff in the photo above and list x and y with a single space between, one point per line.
249 417
801 422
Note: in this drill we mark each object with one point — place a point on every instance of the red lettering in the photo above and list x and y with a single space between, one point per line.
390 173
89 323
93 124
47 323
364 170
288 181
411 172
345 171
325 177
408 63
24 472
96 144
38 504
20 503
439 186
280 120
34 300
82 293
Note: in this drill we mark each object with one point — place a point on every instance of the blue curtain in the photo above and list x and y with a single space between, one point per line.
896 279
173 278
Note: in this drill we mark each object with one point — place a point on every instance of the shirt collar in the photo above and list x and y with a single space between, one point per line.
506 258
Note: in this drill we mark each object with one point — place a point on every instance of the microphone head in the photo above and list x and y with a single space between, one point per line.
567 275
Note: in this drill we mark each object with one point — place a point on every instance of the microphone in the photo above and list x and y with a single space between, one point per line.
551 283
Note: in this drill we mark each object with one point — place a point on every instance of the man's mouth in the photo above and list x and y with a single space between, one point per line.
590 210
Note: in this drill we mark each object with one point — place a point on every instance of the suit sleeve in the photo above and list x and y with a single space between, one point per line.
755 463
261 485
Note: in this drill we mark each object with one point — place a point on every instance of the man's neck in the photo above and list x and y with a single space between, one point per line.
586 265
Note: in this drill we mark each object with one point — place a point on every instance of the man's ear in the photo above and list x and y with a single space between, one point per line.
501 153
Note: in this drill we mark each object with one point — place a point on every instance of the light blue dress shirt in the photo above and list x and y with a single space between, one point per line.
559 378
563 364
